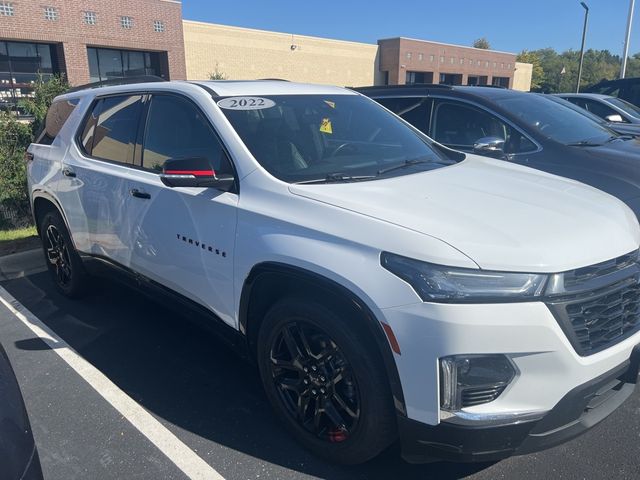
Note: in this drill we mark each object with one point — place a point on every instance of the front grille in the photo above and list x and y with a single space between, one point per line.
597 319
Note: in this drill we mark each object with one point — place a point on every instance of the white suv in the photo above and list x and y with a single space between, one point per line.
387 287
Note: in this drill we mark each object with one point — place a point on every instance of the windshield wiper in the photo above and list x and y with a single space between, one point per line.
336 178
585 143
405 164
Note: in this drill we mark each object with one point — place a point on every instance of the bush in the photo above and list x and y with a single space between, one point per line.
15 137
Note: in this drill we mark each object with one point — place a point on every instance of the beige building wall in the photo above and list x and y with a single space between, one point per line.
245 54
522 76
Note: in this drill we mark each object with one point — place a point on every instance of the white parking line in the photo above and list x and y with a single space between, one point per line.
175 450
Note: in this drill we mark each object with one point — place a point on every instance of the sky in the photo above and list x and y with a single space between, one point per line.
509 25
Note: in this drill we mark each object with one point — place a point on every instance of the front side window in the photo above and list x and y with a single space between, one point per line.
415 110
554 120
177 129
600 109
460 126
113 135
301 138
629 108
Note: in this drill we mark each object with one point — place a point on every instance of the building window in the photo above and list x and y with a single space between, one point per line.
441 58
126 22
6 9
495 64
470 62
90 18
158 26
420 56
486 64
408 55
502 65
451 60
108 63
508 65
462 61
478 63
431 58
51 13
21 64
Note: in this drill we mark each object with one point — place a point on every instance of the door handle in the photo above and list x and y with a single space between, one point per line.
138 194
67 172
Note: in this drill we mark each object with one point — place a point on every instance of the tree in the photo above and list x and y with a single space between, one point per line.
537 73
44 93
482 43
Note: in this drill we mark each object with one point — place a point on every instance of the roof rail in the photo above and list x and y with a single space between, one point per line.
274 79
118 81
411 85
489 86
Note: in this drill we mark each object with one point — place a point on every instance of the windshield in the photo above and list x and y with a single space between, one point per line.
554 120
625 106
323 138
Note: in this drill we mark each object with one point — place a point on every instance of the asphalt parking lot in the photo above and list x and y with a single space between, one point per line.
208 401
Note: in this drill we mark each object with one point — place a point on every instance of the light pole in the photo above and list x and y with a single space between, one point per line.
584 35
625 54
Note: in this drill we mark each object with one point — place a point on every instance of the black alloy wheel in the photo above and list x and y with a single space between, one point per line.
325 379
58 255
64 263
315 382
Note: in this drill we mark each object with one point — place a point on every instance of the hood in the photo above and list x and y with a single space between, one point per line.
503 216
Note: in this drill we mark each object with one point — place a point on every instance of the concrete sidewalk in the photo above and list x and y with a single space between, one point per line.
22 264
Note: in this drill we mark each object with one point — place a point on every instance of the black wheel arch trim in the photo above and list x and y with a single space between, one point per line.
304 275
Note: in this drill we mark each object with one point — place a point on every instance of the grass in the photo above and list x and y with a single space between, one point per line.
18 234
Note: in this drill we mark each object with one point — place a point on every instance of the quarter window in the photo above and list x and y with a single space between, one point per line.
177 129
57 115
116 125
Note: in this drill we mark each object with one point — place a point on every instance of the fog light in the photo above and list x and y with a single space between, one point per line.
468 380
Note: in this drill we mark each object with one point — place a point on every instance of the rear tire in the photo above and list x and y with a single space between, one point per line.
325 382
64 263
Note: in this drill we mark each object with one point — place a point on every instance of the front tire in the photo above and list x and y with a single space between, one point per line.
325 382
63 262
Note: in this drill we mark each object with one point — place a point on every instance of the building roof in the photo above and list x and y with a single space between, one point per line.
446 44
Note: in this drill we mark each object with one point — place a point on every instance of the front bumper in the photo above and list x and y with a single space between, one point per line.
579 410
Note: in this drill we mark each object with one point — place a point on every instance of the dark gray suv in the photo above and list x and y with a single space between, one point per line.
525 128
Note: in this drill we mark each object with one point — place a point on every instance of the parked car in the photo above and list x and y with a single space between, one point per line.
387 287
18 453
529 129
619 115
623 129
627 89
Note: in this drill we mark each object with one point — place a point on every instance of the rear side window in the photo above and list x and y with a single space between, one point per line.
177 129
111 128
58 113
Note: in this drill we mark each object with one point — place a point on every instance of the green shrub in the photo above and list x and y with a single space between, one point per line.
44 93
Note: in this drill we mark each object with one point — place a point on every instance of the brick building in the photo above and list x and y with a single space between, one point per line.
87 40
404 60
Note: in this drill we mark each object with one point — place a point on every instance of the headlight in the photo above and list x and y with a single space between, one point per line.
438 283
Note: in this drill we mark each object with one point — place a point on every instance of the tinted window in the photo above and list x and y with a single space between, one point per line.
177 129
57 115
310 137
116 128
461 126
553 120
576 101
599 109
416 111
